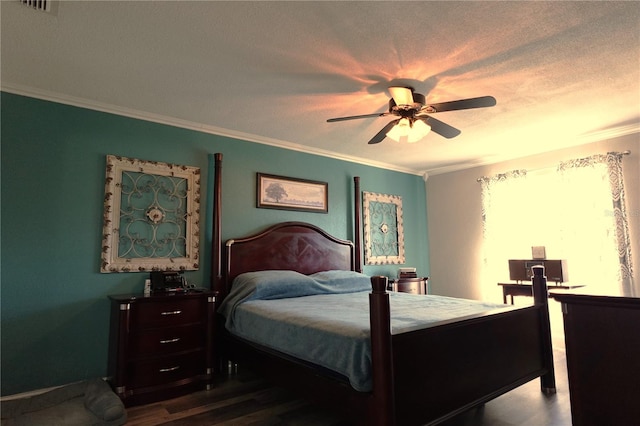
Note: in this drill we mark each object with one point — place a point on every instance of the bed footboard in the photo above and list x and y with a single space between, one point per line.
427 376
440 372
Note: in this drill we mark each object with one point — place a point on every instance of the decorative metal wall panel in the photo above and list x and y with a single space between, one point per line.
151 216
383 231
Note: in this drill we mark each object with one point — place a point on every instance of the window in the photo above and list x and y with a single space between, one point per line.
576 211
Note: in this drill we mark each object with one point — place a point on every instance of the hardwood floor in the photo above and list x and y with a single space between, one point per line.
248 400
240 400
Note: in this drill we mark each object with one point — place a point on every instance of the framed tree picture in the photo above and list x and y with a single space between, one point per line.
151 216
286 193
383 232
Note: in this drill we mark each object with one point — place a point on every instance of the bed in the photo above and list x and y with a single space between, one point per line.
418 374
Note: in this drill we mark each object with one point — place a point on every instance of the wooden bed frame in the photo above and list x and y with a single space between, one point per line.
421 377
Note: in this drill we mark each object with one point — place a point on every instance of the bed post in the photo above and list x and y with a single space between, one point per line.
216 243
357 217
541 299
381 362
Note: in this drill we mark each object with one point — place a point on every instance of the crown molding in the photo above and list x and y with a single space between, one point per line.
190 125
595 136
587 138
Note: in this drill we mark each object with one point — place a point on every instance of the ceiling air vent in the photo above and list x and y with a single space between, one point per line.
43 5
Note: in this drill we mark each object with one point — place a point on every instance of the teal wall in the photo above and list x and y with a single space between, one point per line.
55 310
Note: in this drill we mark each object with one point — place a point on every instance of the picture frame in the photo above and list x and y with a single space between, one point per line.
151 217
288 193
383 229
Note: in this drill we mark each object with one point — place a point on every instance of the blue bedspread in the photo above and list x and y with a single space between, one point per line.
326 322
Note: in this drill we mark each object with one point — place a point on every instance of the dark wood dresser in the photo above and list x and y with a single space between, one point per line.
602 337
161 346
418 285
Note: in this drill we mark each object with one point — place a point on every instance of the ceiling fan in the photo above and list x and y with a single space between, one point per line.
414 122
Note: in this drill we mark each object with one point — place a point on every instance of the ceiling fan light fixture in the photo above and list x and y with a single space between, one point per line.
406 131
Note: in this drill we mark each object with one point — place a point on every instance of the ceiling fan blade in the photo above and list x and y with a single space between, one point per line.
401 95
481 102
441 128
355 117
379 137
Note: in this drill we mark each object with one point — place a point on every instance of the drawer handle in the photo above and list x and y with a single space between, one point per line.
168 370
177 339
171 313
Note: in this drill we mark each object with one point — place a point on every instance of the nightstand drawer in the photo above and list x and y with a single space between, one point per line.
165 341
412 288
411 285
168 313
165 370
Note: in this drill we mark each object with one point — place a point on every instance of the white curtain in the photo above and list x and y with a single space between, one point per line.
576 212
505 198
598 206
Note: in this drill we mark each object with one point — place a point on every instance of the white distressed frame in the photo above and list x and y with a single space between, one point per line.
110 262
369 230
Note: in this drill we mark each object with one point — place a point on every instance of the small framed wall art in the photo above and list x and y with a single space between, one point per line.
151 216
286 193
383 231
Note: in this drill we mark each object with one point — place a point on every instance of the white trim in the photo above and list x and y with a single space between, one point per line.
28 394
36 392
601 135
612 133
175 122
190 125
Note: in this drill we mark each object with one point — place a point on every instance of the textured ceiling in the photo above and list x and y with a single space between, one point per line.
563 73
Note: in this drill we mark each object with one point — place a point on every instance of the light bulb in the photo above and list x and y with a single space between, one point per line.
400 131
419 130
405 131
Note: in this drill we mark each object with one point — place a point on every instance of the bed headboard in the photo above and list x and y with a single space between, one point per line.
296 246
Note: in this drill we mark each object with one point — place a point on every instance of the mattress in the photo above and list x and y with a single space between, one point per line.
329 325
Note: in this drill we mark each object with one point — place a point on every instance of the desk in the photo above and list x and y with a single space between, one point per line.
515 289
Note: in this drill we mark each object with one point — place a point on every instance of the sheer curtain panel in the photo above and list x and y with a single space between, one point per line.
576 211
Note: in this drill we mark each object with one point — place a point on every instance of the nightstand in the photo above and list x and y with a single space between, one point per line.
418 285
161 346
